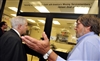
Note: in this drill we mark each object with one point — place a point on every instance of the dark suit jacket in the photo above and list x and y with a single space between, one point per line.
1 32
12 49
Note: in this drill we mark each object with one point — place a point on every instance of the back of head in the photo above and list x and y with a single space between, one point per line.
90 20
2 23
16 21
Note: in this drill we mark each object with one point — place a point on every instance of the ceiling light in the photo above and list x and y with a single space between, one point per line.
31 20
73 37
41 9
81 10
36 3
42 21
13 15
56 22
14 9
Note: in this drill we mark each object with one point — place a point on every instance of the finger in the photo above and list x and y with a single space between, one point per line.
24 39
32 46
44 36
33 40
28 42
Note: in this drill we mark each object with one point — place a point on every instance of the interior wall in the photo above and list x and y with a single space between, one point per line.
36 33
7 20
57 30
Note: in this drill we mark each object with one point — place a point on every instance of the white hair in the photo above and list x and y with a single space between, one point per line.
18 20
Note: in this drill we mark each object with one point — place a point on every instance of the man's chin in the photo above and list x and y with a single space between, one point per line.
77 36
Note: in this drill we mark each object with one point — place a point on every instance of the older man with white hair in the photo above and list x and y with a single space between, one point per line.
11 47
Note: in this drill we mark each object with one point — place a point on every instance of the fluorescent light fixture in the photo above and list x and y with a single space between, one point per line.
81 10
42 21
31 20
14 9
13 15
56 22
36 3
41 9
73 37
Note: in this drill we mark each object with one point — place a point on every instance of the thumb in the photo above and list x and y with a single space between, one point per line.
45 36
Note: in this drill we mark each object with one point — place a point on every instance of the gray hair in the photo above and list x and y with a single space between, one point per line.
17 21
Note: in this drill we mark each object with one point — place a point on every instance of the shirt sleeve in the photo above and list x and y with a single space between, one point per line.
60 59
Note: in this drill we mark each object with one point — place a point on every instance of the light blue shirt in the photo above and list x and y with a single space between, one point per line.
87 49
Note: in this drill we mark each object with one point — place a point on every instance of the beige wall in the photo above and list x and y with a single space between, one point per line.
6 19
36 33
56 30
63 45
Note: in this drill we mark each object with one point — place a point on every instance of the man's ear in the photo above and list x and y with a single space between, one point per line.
88 27
19 26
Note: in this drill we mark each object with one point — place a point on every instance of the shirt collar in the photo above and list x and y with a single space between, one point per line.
16 31
80 38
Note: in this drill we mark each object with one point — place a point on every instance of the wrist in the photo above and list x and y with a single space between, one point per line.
46 55
52 57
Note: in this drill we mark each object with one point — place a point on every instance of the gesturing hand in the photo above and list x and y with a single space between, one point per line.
41 46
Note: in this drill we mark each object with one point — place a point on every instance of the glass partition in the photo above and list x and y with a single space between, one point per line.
63 35
36 26
53 6
11 7
61 6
